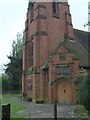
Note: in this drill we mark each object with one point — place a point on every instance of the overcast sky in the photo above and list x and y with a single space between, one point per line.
12 20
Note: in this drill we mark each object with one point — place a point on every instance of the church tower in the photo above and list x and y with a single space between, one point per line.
47 61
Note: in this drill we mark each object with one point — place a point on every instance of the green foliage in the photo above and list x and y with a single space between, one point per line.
5 82
80 112
26 98
80 77
14 67
87 24
17 46
84 91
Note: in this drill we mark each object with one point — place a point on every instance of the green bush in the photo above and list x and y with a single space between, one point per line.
26 98
5 82
39 101
84 91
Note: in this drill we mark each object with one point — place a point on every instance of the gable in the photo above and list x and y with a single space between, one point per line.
61 54
79 48
62 49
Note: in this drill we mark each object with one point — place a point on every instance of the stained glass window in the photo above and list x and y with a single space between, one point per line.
63 70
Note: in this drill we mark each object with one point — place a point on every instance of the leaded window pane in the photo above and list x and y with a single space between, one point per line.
63 70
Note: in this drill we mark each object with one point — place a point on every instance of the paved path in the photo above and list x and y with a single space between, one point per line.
44 110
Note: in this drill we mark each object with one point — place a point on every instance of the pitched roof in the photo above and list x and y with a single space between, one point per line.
81 38
79 46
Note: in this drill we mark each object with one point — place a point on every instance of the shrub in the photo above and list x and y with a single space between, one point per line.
39 101
84 91
5 82
28 99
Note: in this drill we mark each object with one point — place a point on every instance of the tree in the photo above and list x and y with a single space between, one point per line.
14 67
84 91
88 23
5 83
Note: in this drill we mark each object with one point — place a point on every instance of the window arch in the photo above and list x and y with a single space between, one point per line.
30 53
55 9
32 12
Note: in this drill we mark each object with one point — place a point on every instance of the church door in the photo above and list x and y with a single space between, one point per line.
65 92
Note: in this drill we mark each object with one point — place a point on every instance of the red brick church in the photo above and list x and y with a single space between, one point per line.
51 53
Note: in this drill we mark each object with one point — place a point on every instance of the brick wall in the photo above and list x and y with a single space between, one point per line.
45 29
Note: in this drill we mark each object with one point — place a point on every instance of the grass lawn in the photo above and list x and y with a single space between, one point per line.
15 107
81 112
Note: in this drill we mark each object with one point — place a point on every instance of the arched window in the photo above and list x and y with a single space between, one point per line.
30 53
55 9
32 12
54 4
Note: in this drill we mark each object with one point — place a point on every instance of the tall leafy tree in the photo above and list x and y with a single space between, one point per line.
14 67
